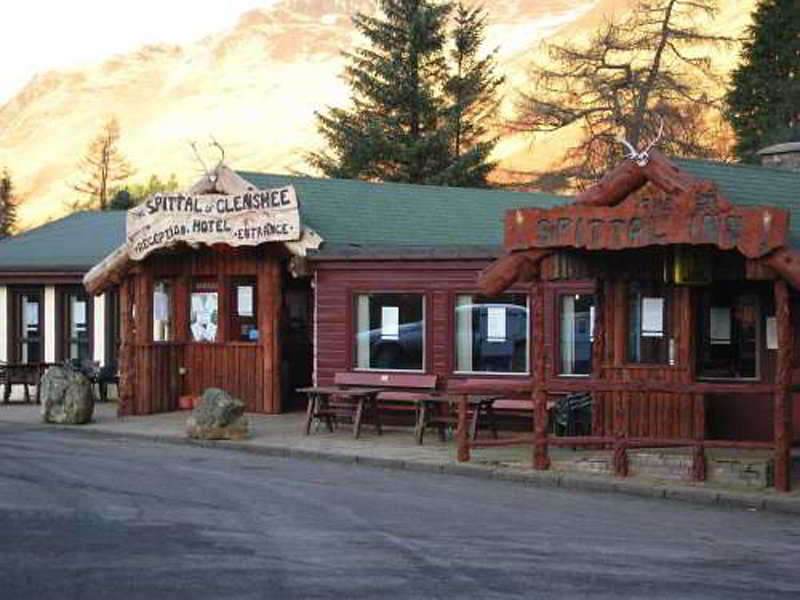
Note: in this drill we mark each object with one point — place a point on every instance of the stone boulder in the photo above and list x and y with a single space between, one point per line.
66 396
219 416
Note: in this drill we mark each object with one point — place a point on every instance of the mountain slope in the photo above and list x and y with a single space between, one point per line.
254 87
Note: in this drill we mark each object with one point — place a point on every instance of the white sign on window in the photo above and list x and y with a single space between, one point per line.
652 317
591 323
720 325
160 306
772 333
244 300
496 324
390 322
79 312
204 309
31 314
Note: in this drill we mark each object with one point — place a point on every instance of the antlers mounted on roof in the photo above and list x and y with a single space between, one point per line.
642 158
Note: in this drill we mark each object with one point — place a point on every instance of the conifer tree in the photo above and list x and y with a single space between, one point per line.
403 125
8 205
763 104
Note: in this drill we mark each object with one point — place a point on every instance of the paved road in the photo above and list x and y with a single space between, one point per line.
89 517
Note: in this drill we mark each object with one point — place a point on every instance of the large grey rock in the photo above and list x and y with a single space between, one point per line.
219 416
66 397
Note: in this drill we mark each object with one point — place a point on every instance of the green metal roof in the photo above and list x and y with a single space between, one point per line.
74 243
751 184
350 214
360 219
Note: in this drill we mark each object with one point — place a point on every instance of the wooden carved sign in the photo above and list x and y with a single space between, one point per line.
646 221
245 219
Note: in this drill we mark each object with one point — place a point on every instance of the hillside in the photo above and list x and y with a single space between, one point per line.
254 87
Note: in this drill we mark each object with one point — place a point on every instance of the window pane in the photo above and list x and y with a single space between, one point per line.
78 328
728 326
162 311
244 316
648 323
204 316
30 333
577 331
492 333
390 331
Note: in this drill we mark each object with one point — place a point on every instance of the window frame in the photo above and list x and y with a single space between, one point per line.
65 340
219 290
453 333
15 333
235 321
558 293
172 321
760 337
353 330
668 326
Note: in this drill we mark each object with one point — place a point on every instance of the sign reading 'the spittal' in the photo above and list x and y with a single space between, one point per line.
246 219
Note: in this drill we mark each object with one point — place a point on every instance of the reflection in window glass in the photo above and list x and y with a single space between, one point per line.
78 328
30 334
390 331
162 311
648 323
728 327
491 333
204 312
577 333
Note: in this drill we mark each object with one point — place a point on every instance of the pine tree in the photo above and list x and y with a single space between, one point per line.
8 206
404 125
472 96
763 104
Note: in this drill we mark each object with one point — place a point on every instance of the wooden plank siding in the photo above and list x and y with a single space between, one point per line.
156 374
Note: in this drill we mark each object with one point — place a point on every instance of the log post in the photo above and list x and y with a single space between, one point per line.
598 353
541 460
698 470
461 431
620 434
783 379
127 375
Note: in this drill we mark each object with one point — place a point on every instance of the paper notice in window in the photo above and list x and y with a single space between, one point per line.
720 325
31 314
772 333
244 300
390 322
652 317
160 306
496 324
79 312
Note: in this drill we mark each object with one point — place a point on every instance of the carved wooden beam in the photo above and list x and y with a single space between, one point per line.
786 262
503 272
614 187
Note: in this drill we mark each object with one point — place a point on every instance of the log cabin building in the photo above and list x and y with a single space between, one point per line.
667 291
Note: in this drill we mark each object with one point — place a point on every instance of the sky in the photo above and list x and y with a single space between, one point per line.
46 34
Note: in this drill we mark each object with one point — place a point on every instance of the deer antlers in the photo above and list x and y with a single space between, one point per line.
642 158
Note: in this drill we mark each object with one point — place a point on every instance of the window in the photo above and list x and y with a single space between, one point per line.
162 311
576 329
649 336
244 316
204 311
491 334
729 333
390 331
28 306
77 327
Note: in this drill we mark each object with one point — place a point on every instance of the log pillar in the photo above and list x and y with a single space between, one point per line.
541 460
783 378
698 469
127 375
461 432
620 455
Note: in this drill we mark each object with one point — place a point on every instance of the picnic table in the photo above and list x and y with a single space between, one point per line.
440 410
326 403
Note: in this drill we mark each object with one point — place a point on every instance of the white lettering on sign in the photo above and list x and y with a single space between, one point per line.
246 219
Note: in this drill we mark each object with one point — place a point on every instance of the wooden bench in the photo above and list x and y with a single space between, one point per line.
359 394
